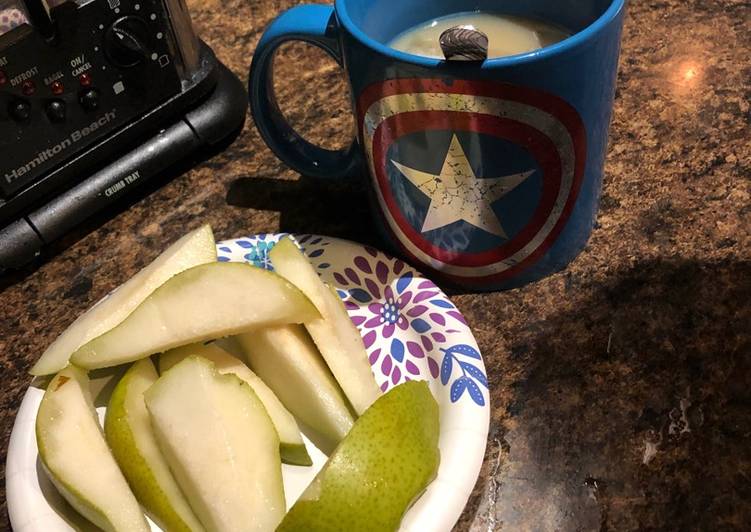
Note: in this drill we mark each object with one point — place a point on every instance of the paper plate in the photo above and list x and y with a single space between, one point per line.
411 330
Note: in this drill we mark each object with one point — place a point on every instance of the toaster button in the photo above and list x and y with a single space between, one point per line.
19 110
89 99
56 110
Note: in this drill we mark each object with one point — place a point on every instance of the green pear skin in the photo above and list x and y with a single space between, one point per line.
378 471
334 334
127 427
221 446
289 363
196 247
203 303
292 447
76 457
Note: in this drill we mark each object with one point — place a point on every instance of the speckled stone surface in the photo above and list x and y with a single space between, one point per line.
621 387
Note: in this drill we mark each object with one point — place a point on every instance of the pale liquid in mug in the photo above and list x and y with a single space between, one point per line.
507 35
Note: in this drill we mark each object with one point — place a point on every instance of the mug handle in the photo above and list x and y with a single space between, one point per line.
317 25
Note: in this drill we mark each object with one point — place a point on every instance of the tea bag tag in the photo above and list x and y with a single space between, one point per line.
464 43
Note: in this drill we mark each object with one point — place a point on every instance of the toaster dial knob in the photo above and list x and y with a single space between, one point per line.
126 42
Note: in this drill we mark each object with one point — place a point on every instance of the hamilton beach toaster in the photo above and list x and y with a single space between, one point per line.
96 98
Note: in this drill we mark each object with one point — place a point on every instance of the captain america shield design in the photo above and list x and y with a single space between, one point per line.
474 179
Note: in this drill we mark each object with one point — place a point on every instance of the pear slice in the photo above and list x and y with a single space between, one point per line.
288 361
204 303
334 333
292 447
197 247
76 457
127 427
382 466
221 446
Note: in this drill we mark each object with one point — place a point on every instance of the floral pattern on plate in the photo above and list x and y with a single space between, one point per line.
410 329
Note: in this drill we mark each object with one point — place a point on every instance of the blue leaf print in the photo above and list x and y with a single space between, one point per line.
316 253
457 389
342 294
441 303
223 259
446 368
225 249
360 295
244 244
464 349
403 282
475 372
324 265
474 392
420 325
397 350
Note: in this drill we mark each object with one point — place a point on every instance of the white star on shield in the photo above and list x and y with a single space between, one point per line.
456 194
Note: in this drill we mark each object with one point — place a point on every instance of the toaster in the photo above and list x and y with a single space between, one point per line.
97 97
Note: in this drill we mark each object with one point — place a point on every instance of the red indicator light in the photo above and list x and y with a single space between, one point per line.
85 80
3 78
57 88
28 87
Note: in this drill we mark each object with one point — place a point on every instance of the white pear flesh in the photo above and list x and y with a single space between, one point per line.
193 249
76 457
127 427
204 303
288 361
221 446
292 446
334 334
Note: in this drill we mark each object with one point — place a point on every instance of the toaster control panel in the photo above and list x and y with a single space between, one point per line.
72 74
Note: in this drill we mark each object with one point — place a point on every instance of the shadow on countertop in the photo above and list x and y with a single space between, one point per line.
630 411
336 207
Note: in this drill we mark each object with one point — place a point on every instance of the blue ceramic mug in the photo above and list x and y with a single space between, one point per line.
489 174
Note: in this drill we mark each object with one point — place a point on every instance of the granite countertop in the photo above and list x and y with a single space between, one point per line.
620 387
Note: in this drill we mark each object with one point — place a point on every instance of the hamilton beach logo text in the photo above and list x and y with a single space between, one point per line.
49 153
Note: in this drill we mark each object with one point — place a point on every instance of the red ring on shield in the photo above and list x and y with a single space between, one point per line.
541 147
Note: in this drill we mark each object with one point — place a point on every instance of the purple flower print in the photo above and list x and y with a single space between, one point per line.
385 301
389 314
